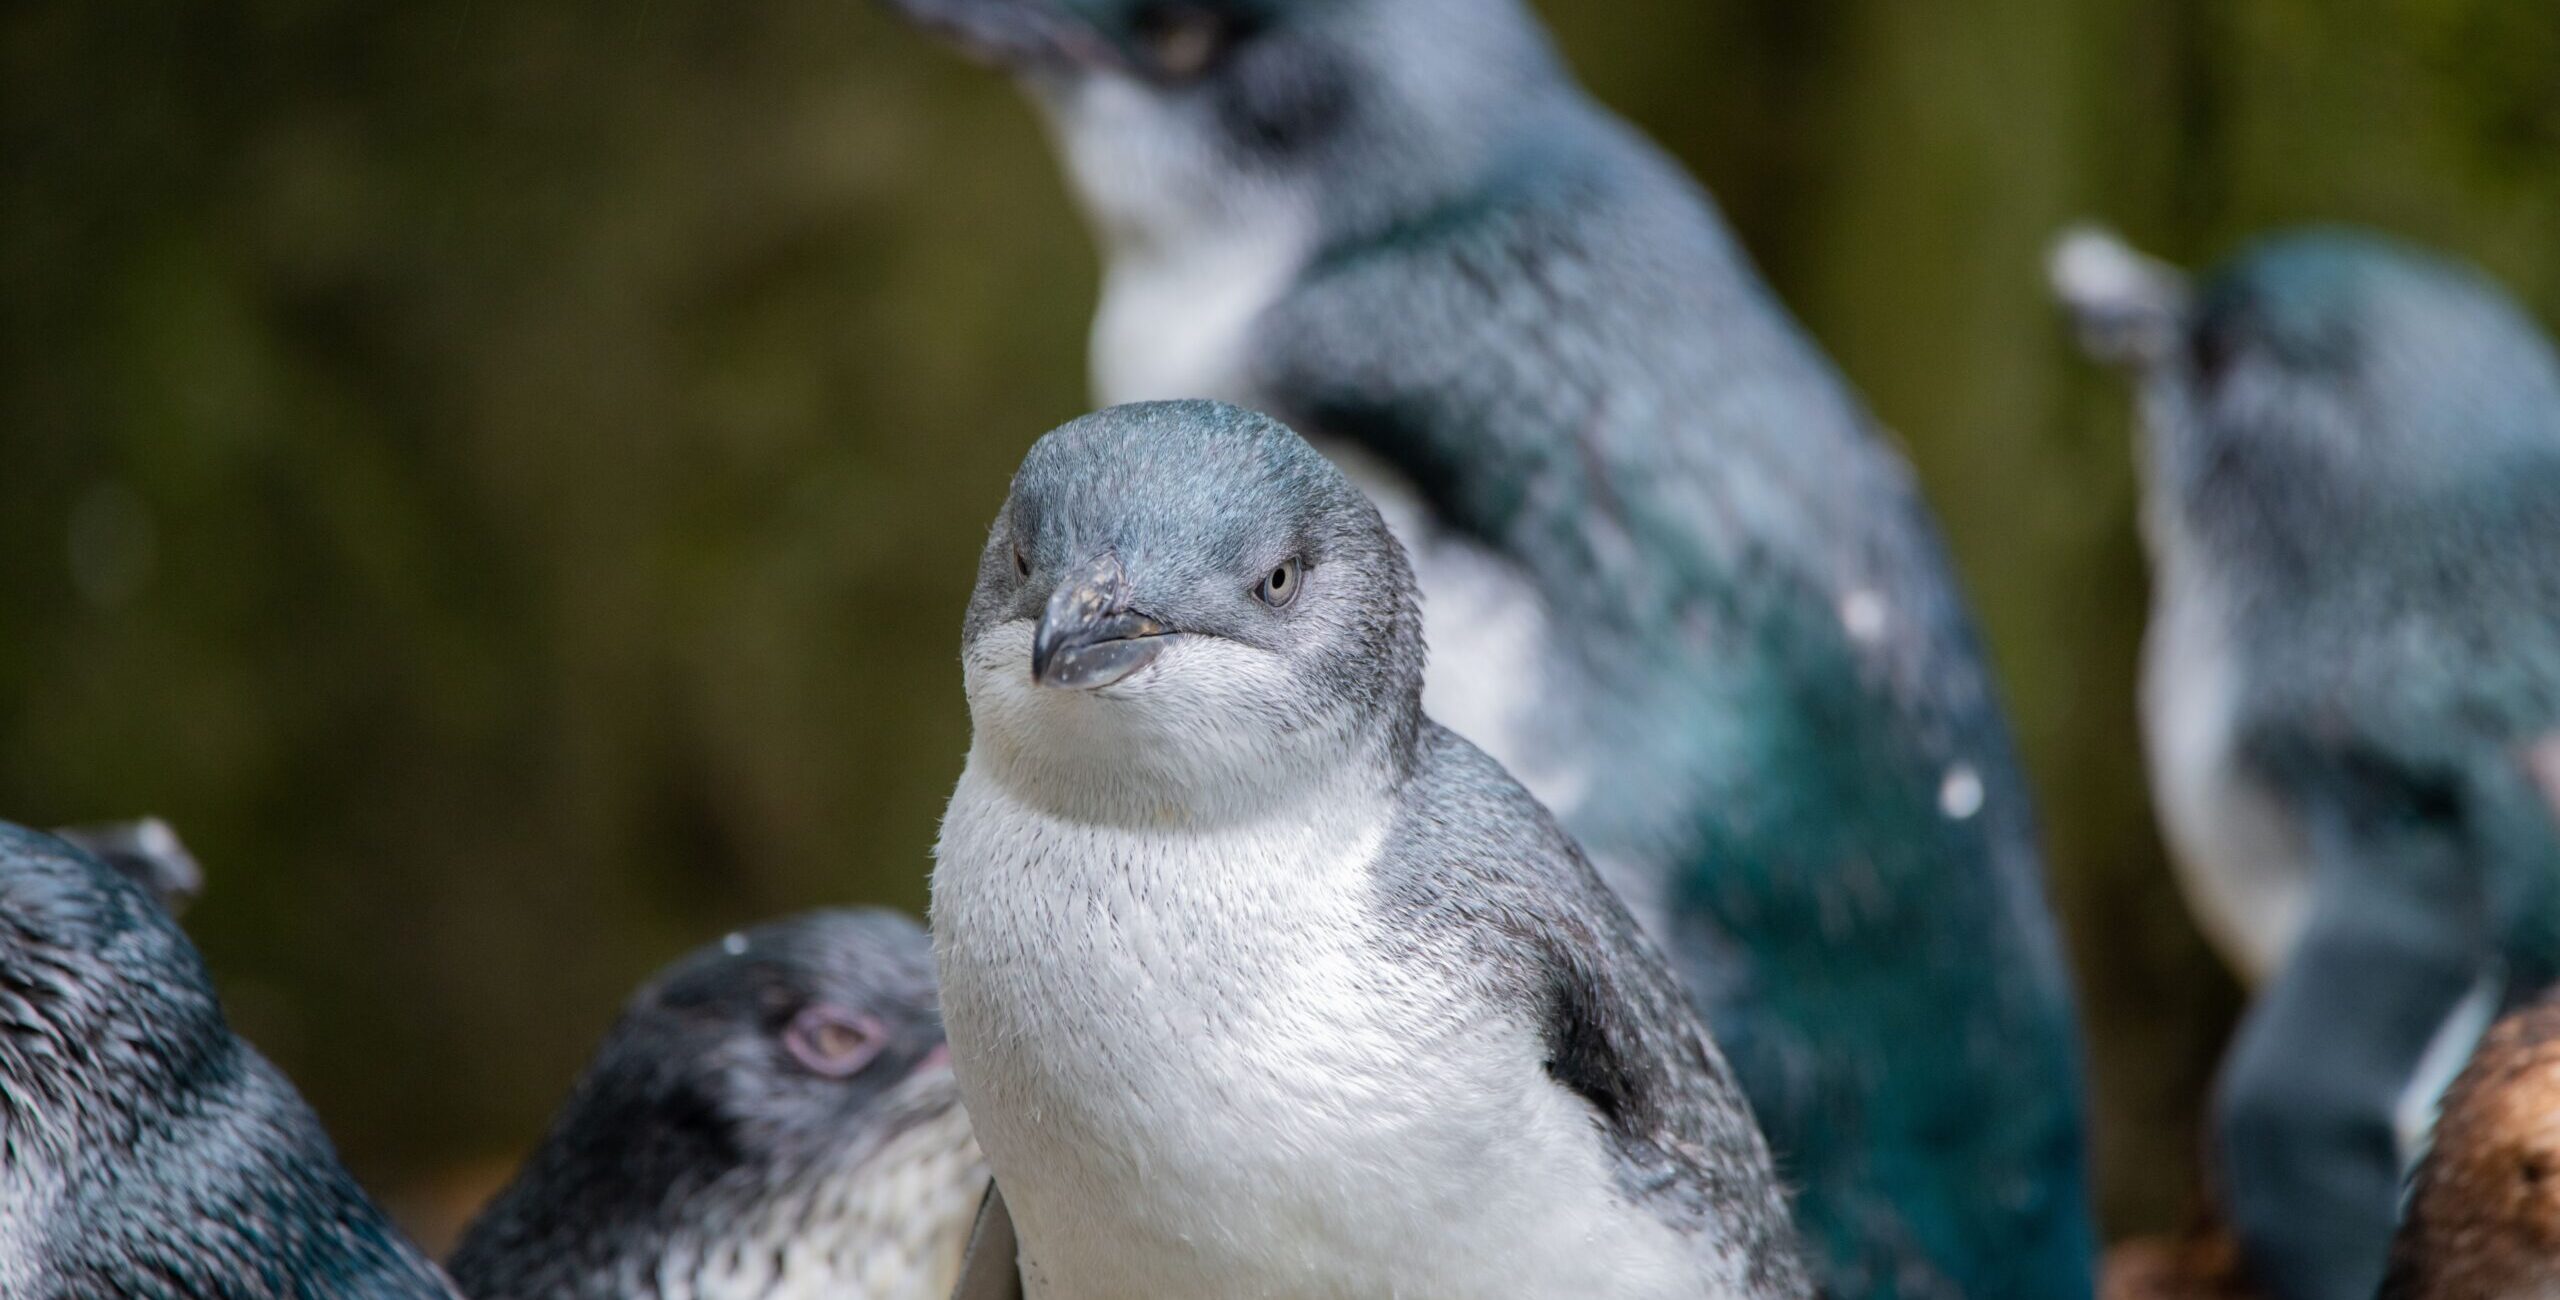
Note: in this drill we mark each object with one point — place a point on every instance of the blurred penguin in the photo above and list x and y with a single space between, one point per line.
1675 579
773 1116
2351 691
150 1152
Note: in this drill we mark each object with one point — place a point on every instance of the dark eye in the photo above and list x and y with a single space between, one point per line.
1280 586
1181 41
832 1041
1021 562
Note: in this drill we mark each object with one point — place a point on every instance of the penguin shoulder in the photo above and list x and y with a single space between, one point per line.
1479 871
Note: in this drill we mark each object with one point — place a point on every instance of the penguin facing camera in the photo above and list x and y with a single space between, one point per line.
1260 982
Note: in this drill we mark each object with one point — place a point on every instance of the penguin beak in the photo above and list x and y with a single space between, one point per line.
2130 309
1089 638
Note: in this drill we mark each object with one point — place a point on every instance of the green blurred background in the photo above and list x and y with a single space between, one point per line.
502 476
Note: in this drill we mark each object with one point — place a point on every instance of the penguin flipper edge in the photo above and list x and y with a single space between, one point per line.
992 1270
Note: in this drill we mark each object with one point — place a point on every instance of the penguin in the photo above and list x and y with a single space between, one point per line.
2483 1218
1258 981
773 1115
150 1152
1674 576
2351 679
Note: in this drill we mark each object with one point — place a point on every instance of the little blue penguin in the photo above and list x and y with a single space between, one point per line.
773 1116
1674 577
150 1152
1258 981
2351 691
2483 1221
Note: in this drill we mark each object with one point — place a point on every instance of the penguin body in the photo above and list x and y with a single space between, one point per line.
1258 981
2352 478
151 1152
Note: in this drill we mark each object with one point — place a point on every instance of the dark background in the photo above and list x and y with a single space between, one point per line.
502 476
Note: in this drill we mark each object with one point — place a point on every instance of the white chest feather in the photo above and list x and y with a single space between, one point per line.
1176 318
1199 1069
2242 861
1194 250
894 1230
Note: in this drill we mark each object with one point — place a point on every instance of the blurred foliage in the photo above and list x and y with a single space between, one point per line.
503 477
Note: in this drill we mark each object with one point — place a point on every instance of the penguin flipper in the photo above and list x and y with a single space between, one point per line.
2306 1103
992 1270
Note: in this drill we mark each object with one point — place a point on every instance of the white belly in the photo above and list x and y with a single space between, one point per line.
2241 859
1195 1075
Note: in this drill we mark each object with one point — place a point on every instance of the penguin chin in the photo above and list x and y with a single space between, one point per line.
1211 728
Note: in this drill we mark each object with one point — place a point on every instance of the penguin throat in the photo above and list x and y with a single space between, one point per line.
894 1224
1198 740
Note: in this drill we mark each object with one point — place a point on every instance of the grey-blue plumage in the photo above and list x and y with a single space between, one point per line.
1257 980
150 1152
772 1115
1674 577
2351 691
149 853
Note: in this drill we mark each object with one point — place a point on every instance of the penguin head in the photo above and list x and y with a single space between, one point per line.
2321 374
787 1048
105 1007
760 1097
1209 106
1185 601
2483 1217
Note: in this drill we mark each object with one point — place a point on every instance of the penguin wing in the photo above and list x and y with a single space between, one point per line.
992 1269
1479 874
2433 880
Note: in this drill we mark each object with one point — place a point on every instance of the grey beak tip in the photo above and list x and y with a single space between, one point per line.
1088 636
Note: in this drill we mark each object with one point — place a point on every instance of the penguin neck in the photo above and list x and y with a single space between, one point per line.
1198 243
1194 248
1168 753
893 1224
1113 787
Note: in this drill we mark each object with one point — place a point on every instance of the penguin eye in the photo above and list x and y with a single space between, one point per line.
1181 40
833 1042
1280 586
1021 562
